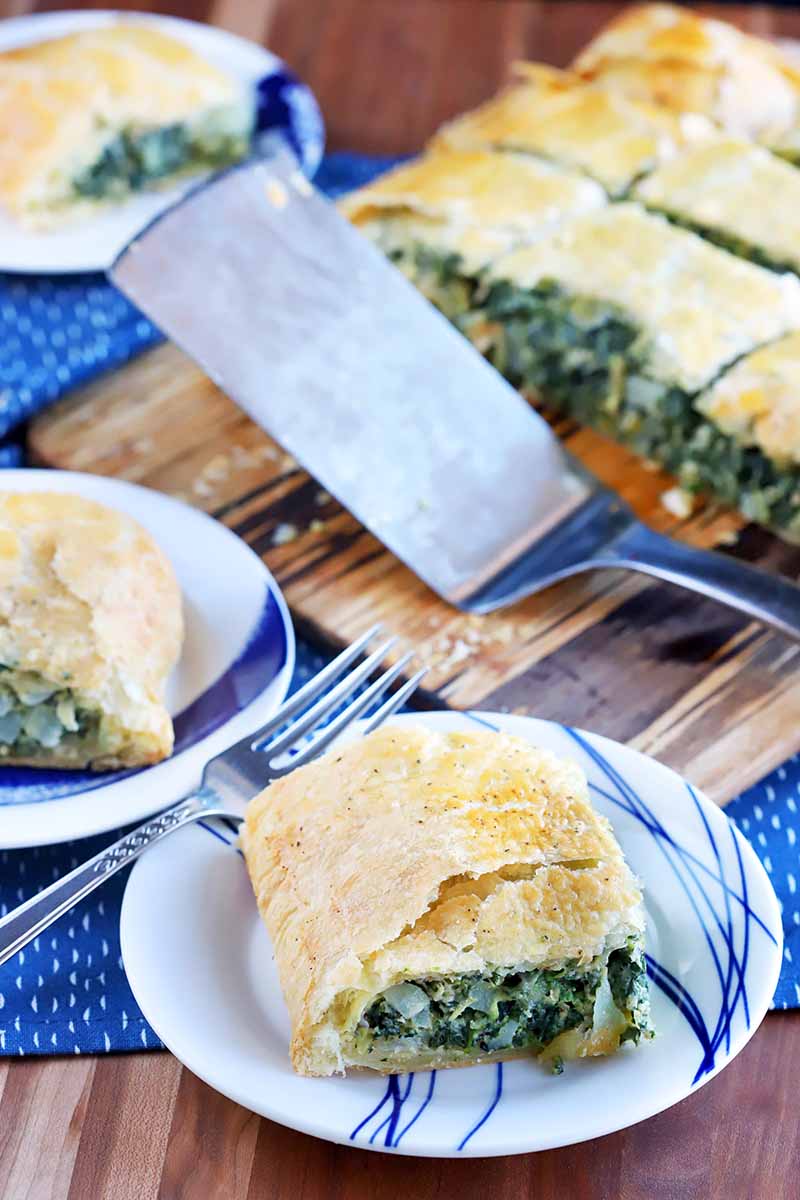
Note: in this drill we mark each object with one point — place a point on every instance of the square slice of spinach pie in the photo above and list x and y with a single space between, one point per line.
97 115
444 216
672 56
440 899
621 321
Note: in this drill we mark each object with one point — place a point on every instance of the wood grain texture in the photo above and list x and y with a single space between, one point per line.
119 1127
127 1127
660 668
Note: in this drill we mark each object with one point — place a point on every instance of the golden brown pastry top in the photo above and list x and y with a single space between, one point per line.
412 852
478 187
690 63
476 203
85 593
757 402
559 116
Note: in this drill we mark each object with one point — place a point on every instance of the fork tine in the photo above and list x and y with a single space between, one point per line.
325 704
318 683
395 701
354 710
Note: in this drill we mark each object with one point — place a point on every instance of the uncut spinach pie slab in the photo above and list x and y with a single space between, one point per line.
94 116
90 626
438 900
557 115
669 55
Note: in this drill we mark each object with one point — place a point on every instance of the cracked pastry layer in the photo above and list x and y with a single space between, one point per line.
439 899
94 116
672 56
90 627
557 115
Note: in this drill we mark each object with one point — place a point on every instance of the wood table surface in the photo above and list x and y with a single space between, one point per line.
132 1127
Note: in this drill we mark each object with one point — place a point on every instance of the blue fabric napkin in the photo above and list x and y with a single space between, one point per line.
59 331
67 991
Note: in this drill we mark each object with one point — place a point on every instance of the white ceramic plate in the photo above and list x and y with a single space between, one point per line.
285 106
201 968
234 671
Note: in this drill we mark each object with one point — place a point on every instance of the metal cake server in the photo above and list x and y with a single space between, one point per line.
332 351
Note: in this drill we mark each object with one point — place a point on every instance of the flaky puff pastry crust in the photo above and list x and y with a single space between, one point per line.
413 854
90 602
478 187
60 100
672 56
477 203
560 116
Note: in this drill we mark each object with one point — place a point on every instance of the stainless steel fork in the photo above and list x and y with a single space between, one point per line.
233 777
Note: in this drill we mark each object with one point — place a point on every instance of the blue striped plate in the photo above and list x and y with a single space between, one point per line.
286 111
207 982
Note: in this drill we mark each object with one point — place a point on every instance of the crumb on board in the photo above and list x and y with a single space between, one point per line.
678 502
727 537
285 532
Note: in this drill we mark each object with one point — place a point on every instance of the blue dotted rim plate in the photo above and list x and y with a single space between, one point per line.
234 670
286 109
207 984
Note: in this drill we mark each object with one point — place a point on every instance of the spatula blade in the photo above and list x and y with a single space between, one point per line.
333 352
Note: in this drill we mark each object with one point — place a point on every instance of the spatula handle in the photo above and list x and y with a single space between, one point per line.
759 594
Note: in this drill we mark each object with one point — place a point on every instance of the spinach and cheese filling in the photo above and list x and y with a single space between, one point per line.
735 194
507 1010
622 321
135 159
40 719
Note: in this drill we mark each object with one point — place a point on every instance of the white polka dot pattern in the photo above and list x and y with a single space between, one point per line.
66 992
769 816
57 333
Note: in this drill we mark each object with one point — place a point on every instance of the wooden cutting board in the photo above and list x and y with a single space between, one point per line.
678 677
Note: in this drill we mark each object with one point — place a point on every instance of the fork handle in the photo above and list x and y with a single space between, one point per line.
760 594
32 917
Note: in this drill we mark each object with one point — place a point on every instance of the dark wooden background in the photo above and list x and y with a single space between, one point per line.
135 1127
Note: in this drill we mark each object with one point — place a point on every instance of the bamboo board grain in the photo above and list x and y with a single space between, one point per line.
676 676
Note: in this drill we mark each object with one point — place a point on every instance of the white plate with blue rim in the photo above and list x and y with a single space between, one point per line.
233 673
286 111
201 968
